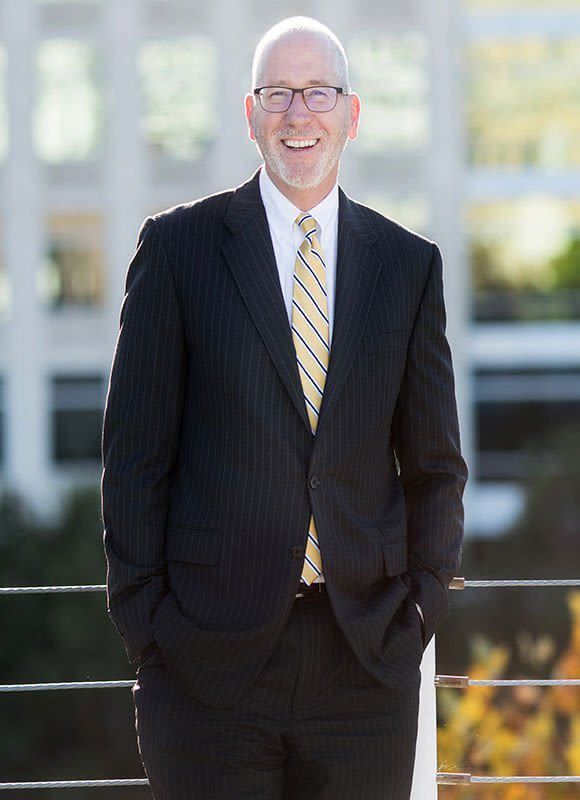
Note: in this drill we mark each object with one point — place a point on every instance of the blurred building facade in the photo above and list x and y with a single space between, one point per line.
110 111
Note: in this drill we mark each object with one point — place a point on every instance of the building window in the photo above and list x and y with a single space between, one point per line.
390 74
518 414
73 270
522 102
181 95
78 402
525 259
68 122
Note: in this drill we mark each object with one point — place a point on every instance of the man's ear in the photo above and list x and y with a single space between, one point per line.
354 115
249 108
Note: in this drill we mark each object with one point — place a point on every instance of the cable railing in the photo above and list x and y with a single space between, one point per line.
440 681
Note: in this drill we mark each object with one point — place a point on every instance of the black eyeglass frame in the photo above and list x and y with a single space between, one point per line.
339 90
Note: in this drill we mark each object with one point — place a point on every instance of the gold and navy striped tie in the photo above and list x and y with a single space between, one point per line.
311 340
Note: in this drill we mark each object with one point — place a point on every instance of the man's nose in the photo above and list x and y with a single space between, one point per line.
298 107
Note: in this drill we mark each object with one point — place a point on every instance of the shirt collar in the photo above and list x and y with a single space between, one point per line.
282 213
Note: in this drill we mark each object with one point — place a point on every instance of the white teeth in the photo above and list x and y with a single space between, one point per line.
300 142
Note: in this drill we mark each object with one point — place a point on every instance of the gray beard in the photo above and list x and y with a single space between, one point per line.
310 178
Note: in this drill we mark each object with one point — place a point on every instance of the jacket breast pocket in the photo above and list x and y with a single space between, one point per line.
382 342
395 557
193 545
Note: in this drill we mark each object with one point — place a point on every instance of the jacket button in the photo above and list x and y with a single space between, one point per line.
298 551
314 482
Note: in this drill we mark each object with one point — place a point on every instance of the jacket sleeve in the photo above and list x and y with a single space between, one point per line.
140 439
425 436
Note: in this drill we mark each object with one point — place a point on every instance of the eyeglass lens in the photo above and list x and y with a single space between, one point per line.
317 98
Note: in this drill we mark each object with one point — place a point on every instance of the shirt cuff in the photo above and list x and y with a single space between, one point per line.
420 610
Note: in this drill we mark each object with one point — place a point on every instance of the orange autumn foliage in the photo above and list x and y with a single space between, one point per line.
525 730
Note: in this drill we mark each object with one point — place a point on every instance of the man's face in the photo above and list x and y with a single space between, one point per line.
299 60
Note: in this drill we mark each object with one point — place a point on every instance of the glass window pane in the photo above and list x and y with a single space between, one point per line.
77 409
390 74
73 270
68 118
519 412
77 436
523 101
180 95
506 431
525 258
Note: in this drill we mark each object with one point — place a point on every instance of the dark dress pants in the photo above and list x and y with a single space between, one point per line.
315 724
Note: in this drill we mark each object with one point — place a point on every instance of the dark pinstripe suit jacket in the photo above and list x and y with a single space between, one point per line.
211 470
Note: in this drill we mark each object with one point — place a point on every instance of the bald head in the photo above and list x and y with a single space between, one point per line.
303 28
301 146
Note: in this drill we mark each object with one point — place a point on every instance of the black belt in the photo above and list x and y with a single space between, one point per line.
312 590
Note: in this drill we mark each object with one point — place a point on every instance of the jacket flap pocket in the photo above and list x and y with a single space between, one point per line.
194 546
395 556
387 340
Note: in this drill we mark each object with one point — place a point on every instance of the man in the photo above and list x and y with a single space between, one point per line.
282 484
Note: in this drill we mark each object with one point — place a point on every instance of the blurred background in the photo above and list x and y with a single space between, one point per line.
111 110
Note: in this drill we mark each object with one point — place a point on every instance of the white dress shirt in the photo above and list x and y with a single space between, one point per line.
287 238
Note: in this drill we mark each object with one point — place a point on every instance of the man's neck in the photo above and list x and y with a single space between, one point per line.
304 199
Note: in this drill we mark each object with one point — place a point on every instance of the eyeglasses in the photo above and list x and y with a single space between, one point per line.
317 98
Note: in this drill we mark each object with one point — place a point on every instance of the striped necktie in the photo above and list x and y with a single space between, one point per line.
311 341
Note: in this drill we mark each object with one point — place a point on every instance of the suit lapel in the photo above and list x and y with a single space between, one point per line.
250 256
357 269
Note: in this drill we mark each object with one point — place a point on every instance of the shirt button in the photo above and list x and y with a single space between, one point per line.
314 482
297 551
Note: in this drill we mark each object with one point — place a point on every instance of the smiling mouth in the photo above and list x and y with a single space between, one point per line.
300 144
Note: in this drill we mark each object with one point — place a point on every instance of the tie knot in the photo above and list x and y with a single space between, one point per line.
307 224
